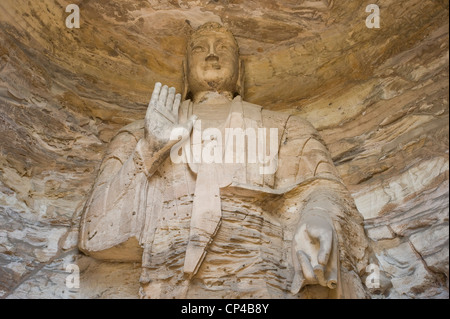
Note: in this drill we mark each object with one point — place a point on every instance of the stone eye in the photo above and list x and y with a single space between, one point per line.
198 49
221 47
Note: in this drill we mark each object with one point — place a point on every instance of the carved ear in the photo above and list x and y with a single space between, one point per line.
240 88
191 28
186 92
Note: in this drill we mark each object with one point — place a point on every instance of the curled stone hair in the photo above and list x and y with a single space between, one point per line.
212 27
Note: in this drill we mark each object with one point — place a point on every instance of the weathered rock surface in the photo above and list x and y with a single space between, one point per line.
379 97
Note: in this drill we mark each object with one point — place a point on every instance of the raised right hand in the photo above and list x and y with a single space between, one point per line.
162 118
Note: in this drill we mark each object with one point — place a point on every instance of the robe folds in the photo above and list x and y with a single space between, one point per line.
243 248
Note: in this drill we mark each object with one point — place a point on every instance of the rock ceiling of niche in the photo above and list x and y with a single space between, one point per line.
293 50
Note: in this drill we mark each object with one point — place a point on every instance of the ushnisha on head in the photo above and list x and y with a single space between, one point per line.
212 63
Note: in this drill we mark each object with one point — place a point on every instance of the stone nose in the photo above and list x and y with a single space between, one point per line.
212 57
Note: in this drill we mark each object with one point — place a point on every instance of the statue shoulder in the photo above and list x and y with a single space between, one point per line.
250 106
299 128
281 120
126 139
298 122
270 119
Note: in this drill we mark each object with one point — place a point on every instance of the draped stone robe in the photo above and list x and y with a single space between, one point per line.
135 216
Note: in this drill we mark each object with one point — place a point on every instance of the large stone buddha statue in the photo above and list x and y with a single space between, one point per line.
221 198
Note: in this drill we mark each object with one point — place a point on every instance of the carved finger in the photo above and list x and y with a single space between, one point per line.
299 280
161 105
325 237
326 241
190 123
333 265
306 267
176 105
155 94
153 101
163 97
170 98
319 271
182 132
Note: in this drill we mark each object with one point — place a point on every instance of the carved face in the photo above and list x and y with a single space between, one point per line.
212 63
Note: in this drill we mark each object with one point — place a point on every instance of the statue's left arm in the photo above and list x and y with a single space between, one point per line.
328 232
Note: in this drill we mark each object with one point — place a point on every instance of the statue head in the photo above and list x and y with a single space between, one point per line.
212 62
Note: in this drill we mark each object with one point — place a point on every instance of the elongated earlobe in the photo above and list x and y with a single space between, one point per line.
240 88
186 94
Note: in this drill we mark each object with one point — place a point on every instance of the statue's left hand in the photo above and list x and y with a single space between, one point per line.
315 252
